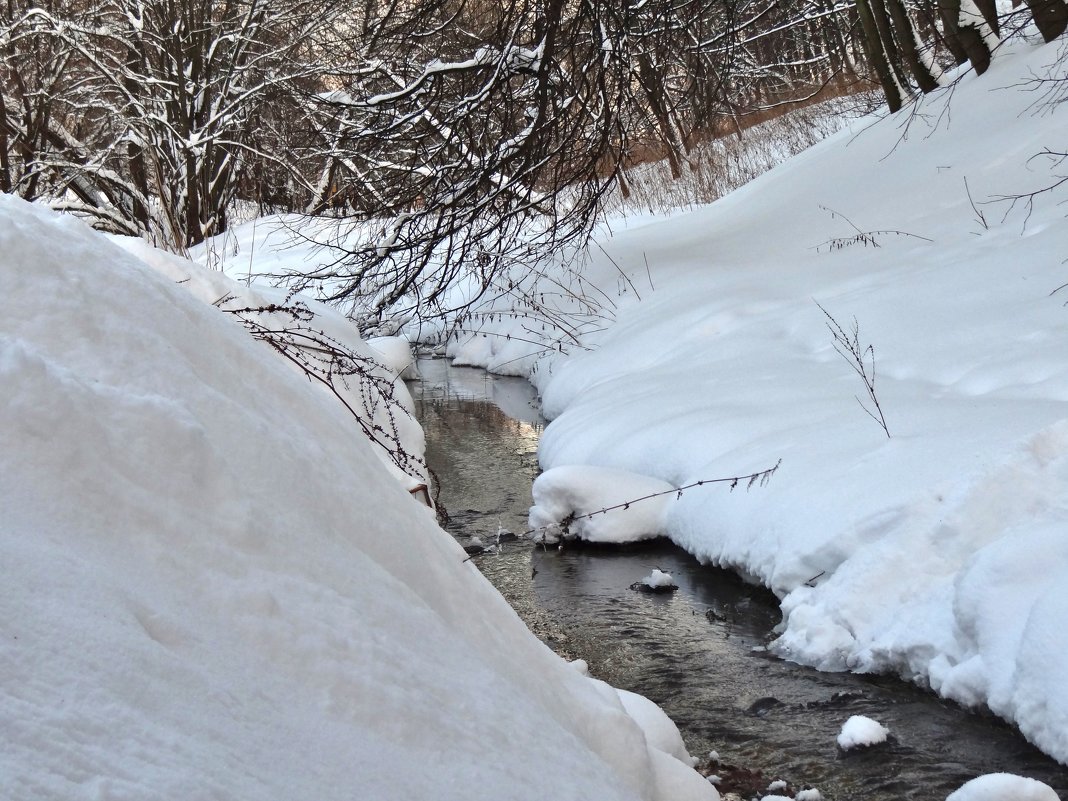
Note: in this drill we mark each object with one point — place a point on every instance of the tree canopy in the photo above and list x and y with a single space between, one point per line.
459 135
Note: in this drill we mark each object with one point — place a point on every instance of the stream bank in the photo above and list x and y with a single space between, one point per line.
700 653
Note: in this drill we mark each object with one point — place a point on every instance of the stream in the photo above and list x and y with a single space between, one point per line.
700 653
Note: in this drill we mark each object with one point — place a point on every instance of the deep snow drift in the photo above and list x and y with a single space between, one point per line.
213 589
939 552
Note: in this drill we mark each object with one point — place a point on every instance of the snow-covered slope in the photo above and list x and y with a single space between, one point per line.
940 552
212 589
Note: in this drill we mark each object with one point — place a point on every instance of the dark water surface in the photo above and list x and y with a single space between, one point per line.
699 652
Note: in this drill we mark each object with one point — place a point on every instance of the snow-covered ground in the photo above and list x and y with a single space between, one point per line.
714 168
213 589
939 552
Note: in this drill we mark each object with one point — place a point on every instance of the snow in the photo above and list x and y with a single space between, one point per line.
676 780
861 731
937 553
214 589
660 730
1000 786
658 578
811 794
563 495
396 354
581 665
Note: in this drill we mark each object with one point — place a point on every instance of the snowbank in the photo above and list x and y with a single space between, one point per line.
213 589
395 353
388 407
568 501
939 552
1001 786
660 730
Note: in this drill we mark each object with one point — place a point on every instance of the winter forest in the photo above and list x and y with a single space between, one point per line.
467 127
762 303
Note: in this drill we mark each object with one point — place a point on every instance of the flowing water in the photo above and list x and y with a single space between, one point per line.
700 652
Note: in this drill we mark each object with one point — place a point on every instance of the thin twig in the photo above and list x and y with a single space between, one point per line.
760 478
326 361
979 216
848 347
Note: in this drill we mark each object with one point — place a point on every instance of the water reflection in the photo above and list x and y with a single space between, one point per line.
700 654
440 379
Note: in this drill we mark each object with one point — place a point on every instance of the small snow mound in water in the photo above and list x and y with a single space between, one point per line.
1002 787
633 505
659 580
861 732
812 794
776 786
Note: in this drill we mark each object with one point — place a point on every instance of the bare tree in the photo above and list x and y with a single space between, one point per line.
1051 17
148 111
467 139
453 139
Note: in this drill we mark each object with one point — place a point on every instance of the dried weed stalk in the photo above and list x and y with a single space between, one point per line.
362 385
862 360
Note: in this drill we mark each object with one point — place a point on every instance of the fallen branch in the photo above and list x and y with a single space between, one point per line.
1027 199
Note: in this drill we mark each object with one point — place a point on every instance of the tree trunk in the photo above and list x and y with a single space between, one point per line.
135 155
989 10
908 44
873 45
845 69
967 36
886 34
647 77
1051 17
5 164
